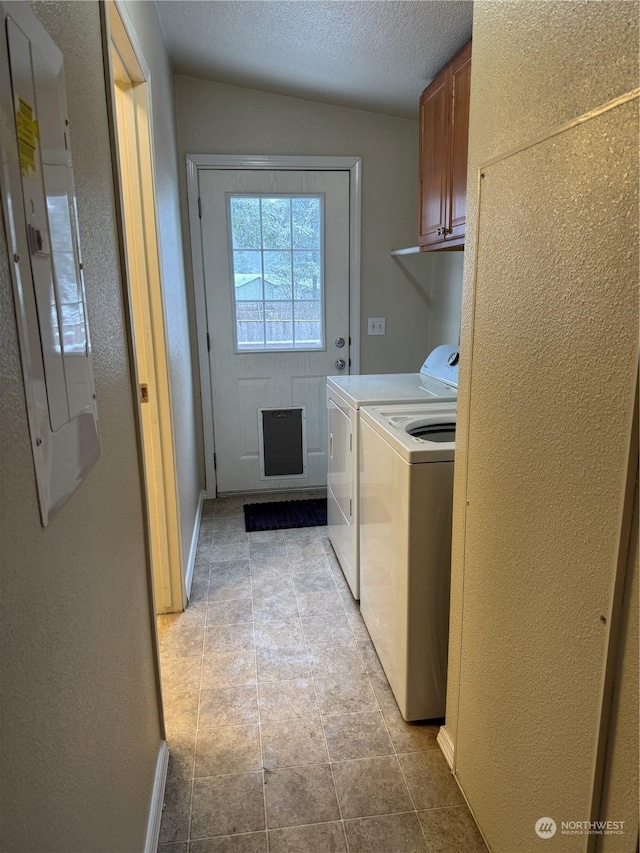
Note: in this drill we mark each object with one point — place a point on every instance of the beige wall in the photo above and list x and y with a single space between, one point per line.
220 119
80 728
446 298
184 387
534 552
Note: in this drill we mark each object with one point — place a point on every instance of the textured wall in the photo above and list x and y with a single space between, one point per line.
621 774
80 727
219 119
536 66
185 395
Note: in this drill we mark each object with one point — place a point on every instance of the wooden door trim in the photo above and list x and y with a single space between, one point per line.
204 162
169 591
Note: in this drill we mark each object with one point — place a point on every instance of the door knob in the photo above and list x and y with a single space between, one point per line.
339 342
341 363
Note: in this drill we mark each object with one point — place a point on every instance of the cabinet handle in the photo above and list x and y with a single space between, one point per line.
330 445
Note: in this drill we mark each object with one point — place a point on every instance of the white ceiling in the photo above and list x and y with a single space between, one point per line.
369 54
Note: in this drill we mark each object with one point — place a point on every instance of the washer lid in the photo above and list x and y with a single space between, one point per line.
419 433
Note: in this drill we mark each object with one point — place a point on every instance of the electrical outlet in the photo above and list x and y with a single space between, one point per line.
376 326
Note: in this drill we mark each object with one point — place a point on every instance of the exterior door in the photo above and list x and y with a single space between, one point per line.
276 268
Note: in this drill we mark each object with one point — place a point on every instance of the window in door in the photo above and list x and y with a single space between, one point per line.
277 272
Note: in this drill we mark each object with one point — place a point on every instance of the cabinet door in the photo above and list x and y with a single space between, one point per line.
435 110
461 90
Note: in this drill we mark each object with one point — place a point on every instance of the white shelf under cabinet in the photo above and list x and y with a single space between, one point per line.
412 250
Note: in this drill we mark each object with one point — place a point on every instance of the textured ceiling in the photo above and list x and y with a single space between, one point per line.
366 54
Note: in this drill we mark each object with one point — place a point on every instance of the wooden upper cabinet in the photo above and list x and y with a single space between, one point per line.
434 120
444 132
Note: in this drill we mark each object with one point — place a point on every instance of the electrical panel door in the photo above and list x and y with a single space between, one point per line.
40 218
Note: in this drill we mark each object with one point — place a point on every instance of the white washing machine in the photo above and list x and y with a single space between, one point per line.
437 381
406 496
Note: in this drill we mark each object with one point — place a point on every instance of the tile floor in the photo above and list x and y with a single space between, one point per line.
283 731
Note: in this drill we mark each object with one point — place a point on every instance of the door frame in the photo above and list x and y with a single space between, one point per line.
158 466
207 162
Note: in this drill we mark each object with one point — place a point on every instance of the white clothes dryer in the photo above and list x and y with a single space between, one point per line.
406 496
436 382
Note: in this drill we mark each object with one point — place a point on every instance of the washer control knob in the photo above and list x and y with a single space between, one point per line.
339 342
341 363
453 359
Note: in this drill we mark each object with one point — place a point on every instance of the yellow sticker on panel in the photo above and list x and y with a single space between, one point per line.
27 128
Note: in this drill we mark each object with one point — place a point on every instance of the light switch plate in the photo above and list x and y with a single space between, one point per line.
376 326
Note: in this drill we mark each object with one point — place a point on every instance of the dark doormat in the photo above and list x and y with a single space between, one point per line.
277 515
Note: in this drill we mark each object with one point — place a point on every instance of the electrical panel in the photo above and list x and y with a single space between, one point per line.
41 226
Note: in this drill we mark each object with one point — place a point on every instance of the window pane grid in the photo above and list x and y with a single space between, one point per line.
281 306
293 325
264 325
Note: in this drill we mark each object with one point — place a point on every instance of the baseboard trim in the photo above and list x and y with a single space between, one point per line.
446 745
194 546
447 748
157 799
